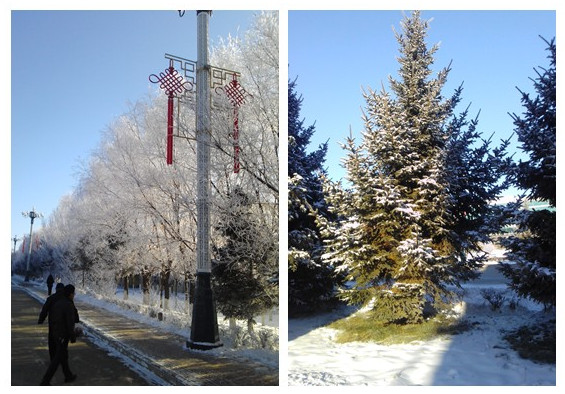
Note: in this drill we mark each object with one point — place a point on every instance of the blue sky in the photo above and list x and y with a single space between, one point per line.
335 54
72 74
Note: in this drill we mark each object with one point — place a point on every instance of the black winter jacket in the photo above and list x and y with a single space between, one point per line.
62 319
46 309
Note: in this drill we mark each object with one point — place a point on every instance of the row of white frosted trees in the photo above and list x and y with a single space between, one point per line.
132 215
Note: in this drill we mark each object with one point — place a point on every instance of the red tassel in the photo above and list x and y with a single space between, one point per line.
173 84
170 131
235 141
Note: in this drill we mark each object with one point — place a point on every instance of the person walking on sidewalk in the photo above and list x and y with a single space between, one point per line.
46 312
50 281
63 313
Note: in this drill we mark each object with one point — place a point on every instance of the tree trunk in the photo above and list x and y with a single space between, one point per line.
185 284
126 289
161 290
165 279
146 282
176 289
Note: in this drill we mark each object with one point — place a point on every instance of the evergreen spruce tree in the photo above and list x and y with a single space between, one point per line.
405 228
311 282
533 247
476 175
245 265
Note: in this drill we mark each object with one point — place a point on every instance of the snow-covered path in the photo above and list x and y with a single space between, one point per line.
477 357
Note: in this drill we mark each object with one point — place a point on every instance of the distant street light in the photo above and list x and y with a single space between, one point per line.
15 239
32 215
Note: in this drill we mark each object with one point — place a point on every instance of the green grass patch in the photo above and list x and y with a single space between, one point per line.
366 328
535 342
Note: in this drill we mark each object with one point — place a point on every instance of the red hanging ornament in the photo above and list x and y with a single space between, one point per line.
236 94
172 83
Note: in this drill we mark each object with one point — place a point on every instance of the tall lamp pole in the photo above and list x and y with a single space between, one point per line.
32 215
15 239
204 329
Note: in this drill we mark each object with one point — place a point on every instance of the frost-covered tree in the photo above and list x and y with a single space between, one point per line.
60 235
533 247
132 193
256 57
310 281
244 267
402 235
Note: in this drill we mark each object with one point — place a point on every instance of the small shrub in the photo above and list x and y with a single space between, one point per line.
513 303
494 298
240 337
266 339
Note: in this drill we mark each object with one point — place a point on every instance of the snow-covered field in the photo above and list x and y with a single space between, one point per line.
477 357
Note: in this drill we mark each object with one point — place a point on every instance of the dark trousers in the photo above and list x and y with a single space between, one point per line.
52 344
61 357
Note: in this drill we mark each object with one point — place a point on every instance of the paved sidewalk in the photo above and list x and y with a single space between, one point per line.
163 354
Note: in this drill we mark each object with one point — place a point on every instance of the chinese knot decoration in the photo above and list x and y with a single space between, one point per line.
236 94
172 83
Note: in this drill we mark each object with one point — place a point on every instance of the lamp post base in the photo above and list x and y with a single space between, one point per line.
204 329
202 345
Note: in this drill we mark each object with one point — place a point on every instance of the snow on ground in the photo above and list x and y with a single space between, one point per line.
476 357
179 323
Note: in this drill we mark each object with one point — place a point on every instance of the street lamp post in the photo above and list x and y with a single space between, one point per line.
15 239
204 329
32 215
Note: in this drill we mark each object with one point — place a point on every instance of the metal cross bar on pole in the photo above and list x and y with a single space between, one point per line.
217 75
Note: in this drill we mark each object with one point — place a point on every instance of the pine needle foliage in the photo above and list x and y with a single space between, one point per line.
533 246
311 282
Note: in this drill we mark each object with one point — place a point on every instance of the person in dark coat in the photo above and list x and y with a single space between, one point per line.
63 314
45 312
50 282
